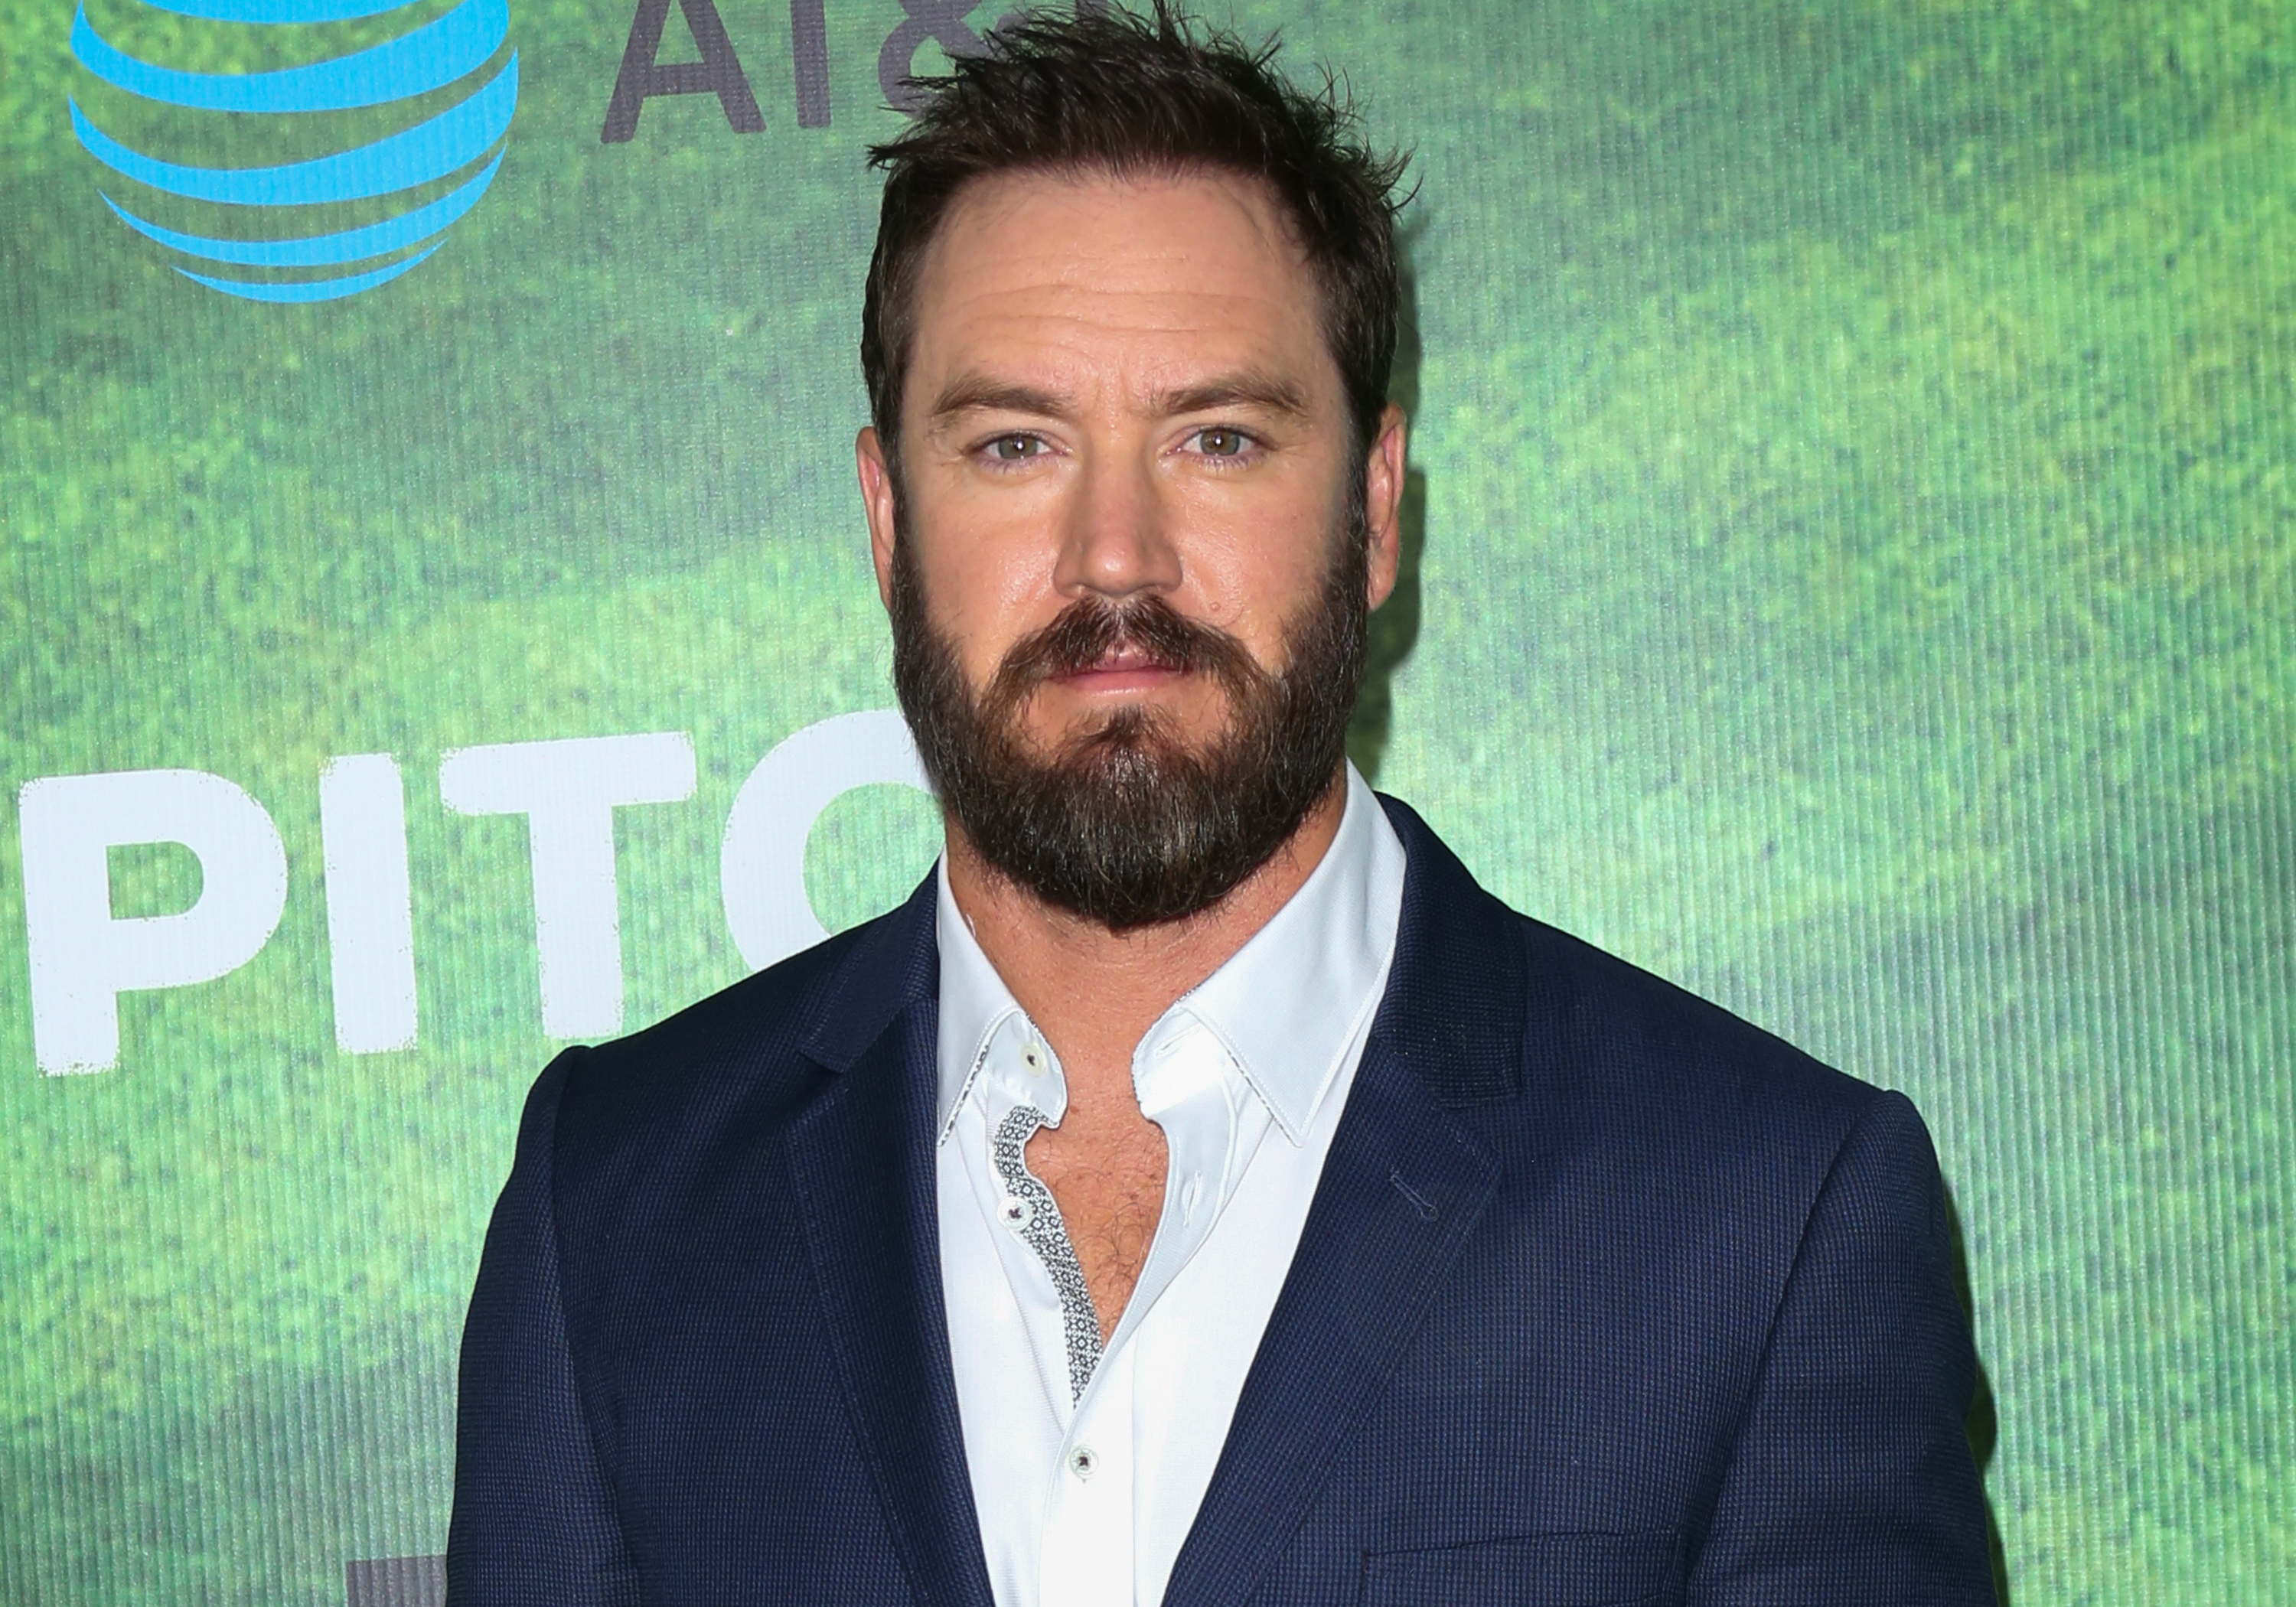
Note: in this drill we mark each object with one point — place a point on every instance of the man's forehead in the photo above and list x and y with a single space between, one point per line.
1090 196
1036 274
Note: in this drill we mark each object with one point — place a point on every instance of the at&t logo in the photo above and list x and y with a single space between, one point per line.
363 209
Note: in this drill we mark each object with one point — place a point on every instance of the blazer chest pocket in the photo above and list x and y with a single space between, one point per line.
1526 1570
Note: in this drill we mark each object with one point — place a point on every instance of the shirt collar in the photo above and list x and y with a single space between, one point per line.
1288 1005
974 1002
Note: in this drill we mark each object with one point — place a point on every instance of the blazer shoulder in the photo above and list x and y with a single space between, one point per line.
1690 1142
1495 1007
1693 1084
1654 1032
756 1052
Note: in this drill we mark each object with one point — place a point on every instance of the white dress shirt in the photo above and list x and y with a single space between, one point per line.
1088 1465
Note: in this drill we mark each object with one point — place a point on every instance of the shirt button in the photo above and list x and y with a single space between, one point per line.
1033 1058
1082 1462
1015 1212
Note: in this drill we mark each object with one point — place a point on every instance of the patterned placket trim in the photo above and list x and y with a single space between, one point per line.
1029 1209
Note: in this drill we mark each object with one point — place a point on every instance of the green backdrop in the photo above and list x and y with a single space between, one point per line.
1849 575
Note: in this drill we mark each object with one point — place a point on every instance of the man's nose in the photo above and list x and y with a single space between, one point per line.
1116 538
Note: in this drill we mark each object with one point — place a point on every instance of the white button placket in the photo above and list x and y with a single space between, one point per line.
1087 1557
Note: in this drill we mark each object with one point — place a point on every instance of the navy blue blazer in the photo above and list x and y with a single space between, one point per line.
1605 1297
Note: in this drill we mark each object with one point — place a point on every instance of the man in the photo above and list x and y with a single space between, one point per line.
1199 1190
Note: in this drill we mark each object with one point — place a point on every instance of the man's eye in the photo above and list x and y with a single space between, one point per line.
1220 442
1016 448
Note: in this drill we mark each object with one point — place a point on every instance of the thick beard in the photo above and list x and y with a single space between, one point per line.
1126 823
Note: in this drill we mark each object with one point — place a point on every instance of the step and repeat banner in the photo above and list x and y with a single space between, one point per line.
1850 573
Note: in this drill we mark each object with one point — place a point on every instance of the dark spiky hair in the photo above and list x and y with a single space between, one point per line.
1105 91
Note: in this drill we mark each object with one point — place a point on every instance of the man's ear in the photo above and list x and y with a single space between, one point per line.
1384 469
877 502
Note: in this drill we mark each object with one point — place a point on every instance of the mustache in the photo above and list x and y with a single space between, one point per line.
1090 628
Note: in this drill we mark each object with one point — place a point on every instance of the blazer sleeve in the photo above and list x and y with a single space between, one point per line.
1851 1478
534 1518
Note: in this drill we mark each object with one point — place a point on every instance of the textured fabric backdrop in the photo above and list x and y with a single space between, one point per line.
1848 574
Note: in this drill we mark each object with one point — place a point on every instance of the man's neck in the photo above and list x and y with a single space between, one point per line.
1095 993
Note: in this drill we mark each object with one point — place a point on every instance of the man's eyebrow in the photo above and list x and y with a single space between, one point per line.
978 393
1248 388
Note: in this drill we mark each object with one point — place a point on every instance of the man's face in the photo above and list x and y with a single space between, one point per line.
1119 409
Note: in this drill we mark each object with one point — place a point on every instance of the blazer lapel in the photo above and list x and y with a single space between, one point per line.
1402 1189
863 1161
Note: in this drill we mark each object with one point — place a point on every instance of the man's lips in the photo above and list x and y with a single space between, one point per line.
1124 668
